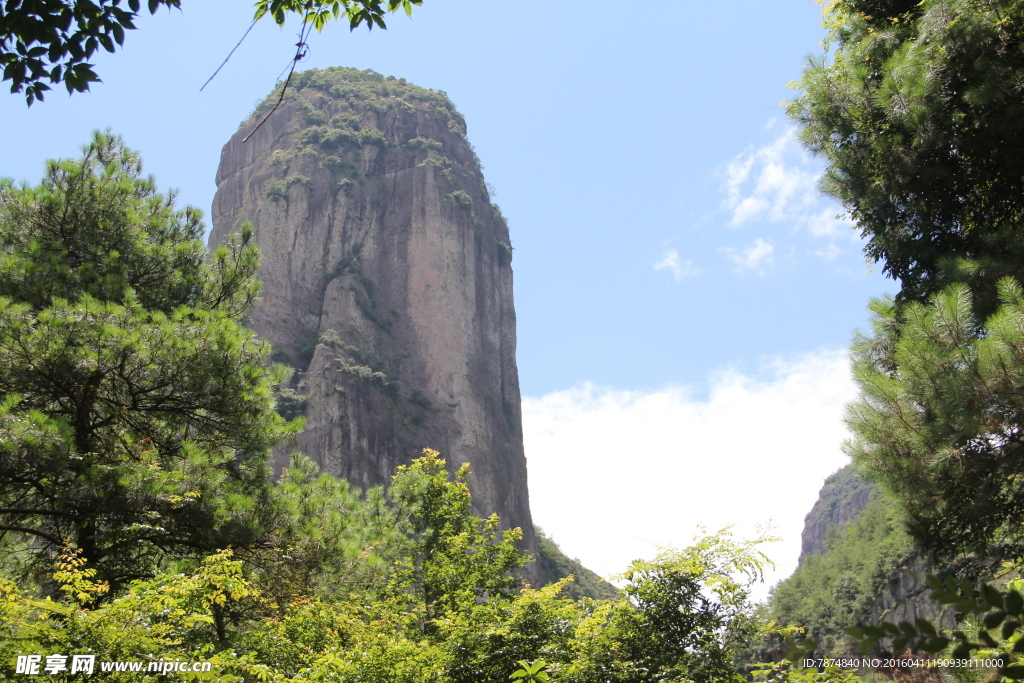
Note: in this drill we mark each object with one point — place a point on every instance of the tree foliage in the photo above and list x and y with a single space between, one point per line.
919 112
456 558
326 537
691 613
136 413
940 420
917 108
161 619
991 629
46 42
449 610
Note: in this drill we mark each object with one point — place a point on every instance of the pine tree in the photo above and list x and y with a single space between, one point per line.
136 414
940 420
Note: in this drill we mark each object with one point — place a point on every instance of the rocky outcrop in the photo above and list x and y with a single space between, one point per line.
387 281
868 570
905 595
842 498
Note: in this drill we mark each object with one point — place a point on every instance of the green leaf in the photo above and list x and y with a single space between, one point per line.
925 627
963 650
965 605
1013 671
934 644
1014 603
992 596
994 619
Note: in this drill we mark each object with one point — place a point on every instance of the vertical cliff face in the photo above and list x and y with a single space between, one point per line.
387 281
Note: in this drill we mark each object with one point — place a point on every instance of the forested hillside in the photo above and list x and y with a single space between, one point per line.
850 574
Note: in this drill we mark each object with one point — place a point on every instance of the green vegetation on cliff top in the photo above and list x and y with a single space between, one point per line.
367 89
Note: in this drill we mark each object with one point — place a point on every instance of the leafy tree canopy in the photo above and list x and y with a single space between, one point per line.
917 109
44 42
456 558
919 112
136 412
681 624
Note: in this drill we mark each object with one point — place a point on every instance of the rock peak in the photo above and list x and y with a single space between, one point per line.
387 281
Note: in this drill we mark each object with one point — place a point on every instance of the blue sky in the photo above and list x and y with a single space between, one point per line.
684 295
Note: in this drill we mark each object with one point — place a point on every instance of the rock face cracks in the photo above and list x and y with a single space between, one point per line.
387 281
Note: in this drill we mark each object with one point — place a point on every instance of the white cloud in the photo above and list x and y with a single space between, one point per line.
756 256
680 269
778 183
829 253
613 474
829 223
766 184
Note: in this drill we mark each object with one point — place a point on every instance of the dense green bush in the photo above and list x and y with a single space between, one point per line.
432 596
